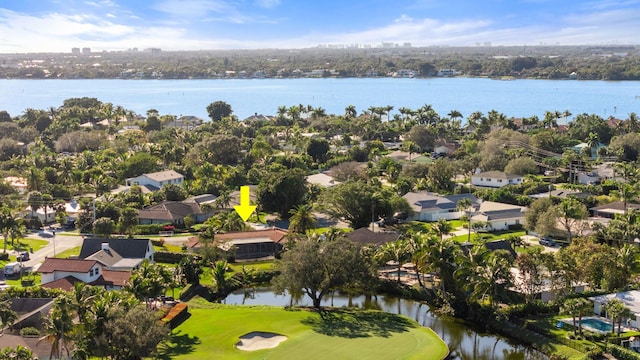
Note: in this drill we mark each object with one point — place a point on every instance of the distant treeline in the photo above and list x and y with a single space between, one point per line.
540 62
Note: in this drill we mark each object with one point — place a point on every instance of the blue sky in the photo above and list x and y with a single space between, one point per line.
59 25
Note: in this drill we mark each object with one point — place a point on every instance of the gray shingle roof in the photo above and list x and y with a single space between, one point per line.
127 248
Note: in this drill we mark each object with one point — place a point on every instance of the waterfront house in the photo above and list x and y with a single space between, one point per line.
630 299
246 245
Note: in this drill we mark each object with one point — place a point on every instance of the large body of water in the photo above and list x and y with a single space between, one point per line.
464 342
517 98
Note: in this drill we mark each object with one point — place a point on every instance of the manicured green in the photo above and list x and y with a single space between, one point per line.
256 266
213 330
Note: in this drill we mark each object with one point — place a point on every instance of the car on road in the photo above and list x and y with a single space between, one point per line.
23 256
46 234
546 241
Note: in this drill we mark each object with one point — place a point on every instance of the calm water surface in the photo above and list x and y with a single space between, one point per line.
518 98
464 343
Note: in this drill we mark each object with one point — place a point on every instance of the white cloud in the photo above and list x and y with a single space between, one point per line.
267 3
193 8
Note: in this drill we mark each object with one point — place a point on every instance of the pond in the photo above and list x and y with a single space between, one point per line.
465 343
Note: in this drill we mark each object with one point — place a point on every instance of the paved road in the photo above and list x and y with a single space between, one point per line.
56 245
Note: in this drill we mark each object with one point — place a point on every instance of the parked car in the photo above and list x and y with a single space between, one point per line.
546 241
12 268
23 256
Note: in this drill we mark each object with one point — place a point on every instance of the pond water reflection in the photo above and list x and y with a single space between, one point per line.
465 342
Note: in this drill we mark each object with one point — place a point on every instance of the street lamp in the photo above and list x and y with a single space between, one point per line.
54 242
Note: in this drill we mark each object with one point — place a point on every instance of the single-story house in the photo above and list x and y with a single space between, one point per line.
172 212
561 193
544 291
18 183
248 244
322 180
364 236
582 146
428 206
630 299
157 180
72 209
612 209
117 254
500 216
496 179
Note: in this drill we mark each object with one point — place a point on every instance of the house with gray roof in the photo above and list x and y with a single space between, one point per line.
117 254
364 236
428 206
157 180
496 179
499 216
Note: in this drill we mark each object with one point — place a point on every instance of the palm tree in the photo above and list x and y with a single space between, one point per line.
350 111
58 327
302 219
397 251
577 307
592 143
633 124
441 227
8 224
465 205
7 316
221 280
492 279
454 114
615 309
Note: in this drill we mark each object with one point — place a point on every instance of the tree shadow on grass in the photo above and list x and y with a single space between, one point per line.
178 344
358 323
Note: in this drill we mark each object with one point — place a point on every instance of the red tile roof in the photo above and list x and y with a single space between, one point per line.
113 278
66 283
71 265
275 234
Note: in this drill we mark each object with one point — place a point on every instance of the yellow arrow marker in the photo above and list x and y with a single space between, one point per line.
245 209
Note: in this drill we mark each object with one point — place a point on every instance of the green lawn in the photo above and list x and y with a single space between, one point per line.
25 244
489 236
213 330
75 251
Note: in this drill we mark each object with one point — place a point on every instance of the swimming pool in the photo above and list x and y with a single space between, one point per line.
597 324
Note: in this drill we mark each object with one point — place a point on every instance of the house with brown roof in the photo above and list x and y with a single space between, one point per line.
364 236
248 244
64 273
173 212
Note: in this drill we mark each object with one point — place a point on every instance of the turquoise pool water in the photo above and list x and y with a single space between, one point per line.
597 324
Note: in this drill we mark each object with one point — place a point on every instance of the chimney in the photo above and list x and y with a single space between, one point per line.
104 246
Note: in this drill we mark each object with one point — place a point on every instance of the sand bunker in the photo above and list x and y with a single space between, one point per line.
258 340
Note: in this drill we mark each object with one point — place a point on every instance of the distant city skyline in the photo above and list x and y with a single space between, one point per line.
59 26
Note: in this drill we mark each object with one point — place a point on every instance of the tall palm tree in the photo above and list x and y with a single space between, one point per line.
397 251
8 224
350 111
465 205
577 307
615 309
492 280
58 327
592 142
442 228
302 219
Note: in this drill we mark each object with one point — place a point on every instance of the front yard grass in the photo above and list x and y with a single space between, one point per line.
489 236
213 330
74 251
24 244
